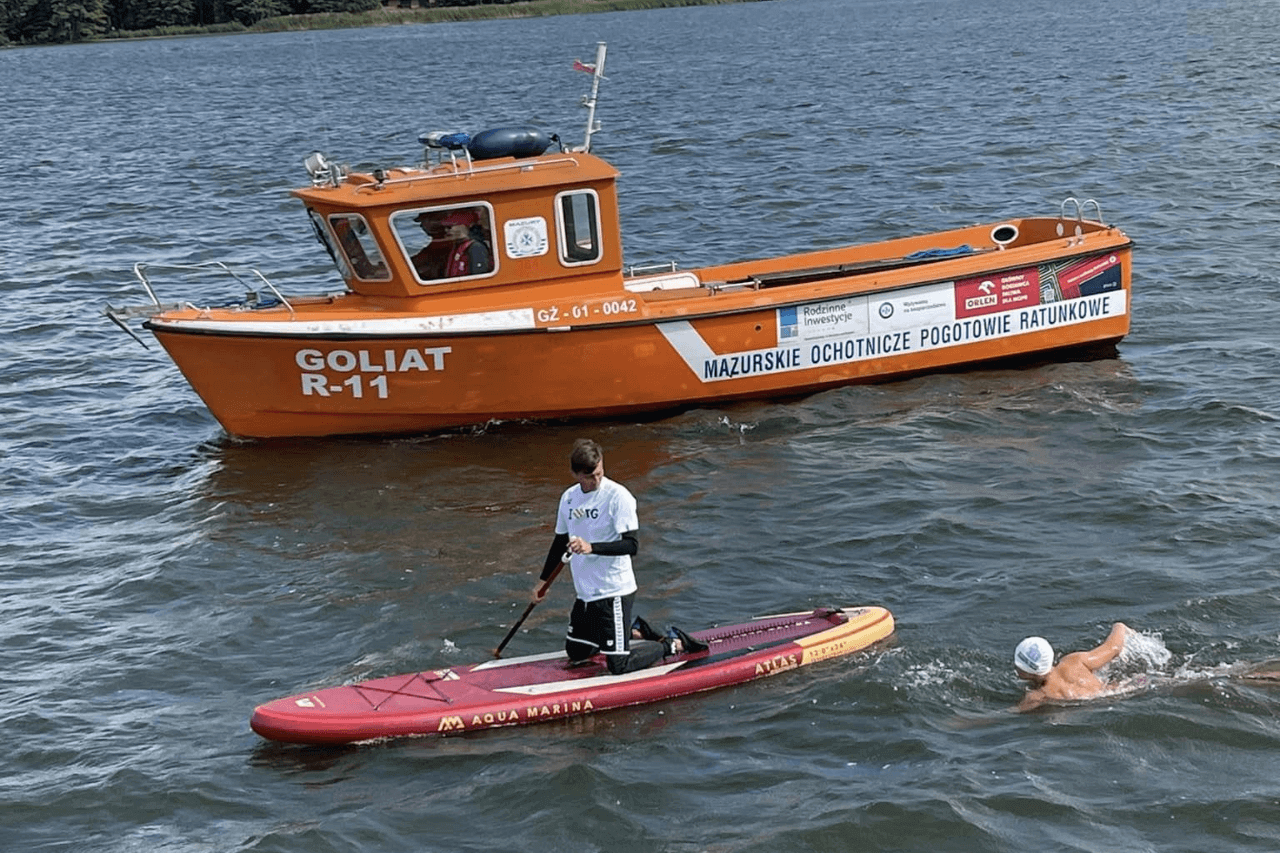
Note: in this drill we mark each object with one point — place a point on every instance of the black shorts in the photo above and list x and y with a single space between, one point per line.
603 625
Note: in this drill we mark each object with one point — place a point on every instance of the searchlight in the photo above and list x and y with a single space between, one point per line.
322 171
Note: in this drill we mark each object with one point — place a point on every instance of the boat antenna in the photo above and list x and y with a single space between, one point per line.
589 101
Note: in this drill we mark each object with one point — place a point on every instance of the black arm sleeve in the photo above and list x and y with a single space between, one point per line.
553 556
628 545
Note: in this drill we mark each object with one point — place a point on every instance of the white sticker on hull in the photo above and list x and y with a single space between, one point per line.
486 321
879 326
842 317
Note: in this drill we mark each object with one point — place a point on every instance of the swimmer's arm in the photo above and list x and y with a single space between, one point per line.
1107 652
1031 701
1265 671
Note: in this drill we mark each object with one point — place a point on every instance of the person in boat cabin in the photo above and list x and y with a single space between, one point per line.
470 255
597 528
457 245
1075 675
430 261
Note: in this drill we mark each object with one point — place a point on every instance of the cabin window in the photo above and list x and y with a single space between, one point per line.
361 251
326 239
446 243
578 222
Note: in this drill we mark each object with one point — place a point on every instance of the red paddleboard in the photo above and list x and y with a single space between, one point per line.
533 689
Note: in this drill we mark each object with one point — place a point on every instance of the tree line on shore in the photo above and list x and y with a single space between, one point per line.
60 21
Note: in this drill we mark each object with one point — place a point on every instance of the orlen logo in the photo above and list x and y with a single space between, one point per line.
987 300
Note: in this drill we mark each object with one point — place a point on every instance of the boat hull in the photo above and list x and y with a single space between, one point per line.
540 688
642 351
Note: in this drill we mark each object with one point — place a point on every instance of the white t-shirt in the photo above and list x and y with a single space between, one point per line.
602 515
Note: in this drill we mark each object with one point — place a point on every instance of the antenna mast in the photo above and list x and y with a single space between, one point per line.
589 101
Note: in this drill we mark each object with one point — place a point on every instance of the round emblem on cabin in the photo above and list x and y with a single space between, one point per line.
525 238
886 310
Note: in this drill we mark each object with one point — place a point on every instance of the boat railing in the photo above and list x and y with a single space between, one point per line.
250 278
1080 208
465 169
140 271
651 269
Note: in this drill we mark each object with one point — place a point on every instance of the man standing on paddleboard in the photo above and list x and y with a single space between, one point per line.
597 528
1073 678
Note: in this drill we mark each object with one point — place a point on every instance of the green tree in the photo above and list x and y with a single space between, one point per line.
211 12
249 12
24 20
76 20
148 14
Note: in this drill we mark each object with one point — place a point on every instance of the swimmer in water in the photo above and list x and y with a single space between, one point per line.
1075 675
1268 671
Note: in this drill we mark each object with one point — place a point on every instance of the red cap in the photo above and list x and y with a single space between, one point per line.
462 216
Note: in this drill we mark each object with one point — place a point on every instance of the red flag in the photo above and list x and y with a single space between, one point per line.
579 65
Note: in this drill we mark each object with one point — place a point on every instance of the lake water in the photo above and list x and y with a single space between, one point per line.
160 579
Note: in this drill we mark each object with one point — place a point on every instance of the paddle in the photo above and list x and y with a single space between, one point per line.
546 585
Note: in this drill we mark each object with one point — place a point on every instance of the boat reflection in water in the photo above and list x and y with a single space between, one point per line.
488 284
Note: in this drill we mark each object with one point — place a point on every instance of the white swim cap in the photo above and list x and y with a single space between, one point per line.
1034 655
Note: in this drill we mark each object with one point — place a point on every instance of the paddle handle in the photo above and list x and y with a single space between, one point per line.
542 590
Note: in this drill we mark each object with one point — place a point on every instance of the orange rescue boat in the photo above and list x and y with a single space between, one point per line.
488 284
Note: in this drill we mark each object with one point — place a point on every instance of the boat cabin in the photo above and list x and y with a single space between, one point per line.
491 210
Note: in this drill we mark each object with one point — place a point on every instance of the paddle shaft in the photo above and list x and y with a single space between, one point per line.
546 585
